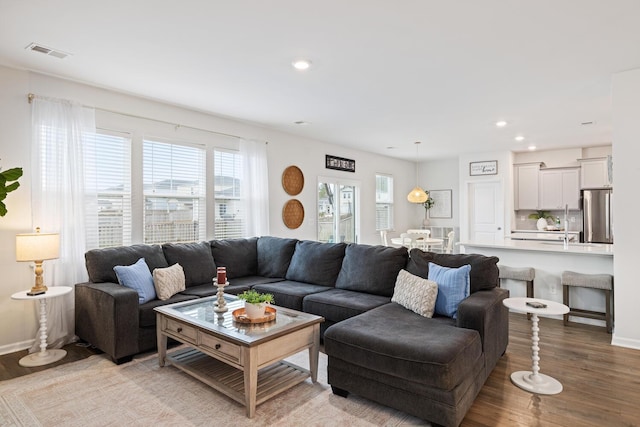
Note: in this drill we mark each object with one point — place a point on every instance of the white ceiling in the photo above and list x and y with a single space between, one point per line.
384 73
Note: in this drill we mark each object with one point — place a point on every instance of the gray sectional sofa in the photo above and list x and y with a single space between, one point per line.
429 367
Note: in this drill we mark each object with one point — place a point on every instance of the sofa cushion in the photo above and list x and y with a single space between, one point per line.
289 293
236 286
371 269
168 281
137 277
195 259
432 351
484 269
415 293
315 262
336 305
100 262
274 255
453 288
240 256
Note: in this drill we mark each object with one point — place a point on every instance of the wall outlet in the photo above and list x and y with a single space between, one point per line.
573 219
552 289
521 217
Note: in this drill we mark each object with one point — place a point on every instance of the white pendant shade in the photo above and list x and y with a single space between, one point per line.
417 195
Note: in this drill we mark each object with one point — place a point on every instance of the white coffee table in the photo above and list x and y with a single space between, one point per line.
44 356
533 381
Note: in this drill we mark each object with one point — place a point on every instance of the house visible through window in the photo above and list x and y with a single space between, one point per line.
384 202
229 215
174 192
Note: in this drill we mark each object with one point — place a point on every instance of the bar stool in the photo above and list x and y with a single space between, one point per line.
524 274
593 281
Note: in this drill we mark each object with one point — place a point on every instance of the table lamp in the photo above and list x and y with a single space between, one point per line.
37 247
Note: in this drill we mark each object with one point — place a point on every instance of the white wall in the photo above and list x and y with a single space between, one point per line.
19 325
441 174
626 205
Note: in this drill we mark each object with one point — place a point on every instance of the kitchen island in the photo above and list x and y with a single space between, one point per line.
550 259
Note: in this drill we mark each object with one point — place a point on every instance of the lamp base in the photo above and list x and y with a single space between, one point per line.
42 358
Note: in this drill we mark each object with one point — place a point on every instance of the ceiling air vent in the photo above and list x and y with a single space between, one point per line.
47 50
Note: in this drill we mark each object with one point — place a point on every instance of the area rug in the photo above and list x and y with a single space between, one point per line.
96 392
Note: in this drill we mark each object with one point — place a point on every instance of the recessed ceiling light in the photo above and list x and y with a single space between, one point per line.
301 64
519 138
531 147
501 123
301 123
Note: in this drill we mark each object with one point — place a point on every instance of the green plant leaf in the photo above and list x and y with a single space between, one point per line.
12 174
3 209
12 187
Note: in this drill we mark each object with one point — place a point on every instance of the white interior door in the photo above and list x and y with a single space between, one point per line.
486 211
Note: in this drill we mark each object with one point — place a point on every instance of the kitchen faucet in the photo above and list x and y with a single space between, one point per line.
565 241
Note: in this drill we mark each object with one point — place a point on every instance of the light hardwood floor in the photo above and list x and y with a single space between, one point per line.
601 382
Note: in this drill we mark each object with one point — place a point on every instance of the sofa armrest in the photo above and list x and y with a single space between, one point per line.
107 316
484 312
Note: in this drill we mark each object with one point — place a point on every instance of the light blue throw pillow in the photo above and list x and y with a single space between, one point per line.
453 287
137 277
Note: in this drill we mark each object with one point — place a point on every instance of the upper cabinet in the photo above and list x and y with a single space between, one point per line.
526 186
559 187
595 173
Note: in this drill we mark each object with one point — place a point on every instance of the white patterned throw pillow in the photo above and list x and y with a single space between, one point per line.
168 281
415 293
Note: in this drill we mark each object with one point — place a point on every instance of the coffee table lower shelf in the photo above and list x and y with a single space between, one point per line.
226 379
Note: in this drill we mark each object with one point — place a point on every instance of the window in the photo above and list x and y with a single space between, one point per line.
229 216
112 174
174 192
338 219
384 202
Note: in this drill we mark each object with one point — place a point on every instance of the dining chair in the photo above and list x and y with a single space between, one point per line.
419 231
383 238
450 238
410 240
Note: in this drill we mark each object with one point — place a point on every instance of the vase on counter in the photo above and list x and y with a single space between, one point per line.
541 224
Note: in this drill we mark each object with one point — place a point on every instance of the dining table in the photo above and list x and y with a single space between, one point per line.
424 243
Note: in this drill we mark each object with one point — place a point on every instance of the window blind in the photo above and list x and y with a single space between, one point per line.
174 192
229 215
384 202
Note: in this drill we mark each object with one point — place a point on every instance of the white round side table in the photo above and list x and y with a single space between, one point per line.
533 381
44 356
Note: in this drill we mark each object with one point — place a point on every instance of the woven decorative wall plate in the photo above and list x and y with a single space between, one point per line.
293 213
292 180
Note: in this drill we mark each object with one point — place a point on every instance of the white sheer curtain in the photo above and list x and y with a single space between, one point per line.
255 187
62 202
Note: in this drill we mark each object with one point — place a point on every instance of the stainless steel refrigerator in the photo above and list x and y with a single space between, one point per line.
597 219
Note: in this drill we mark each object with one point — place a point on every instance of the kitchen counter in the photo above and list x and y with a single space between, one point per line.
601 249
550 259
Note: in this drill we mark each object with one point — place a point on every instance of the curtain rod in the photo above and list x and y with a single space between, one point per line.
31 96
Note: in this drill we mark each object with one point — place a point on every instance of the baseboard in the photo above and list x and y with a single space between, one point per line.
16 346
625 342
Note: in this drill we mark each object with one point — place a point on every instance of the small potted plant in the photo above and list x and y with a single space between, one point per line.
542 217
255 303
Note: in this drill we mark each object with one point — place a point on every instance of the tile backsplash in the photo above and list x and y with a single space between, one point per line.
530 224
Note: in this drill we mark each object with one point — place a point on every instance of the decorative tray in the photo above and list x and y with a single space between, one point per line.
240 316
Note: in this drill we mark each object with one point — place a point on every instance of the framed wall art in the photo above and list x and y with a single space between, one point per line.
340 163
442 204
488 167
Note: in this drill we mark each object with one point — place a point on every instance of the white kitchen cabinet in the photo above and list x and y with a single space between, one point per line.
559 187
594 173
526 186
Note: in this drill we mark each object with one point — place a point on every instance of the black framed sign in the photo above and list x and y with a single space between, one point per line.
340 163
488 167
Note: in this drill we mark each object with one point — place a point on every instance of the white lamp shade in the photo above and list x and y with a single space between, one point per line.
417 195
37 246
